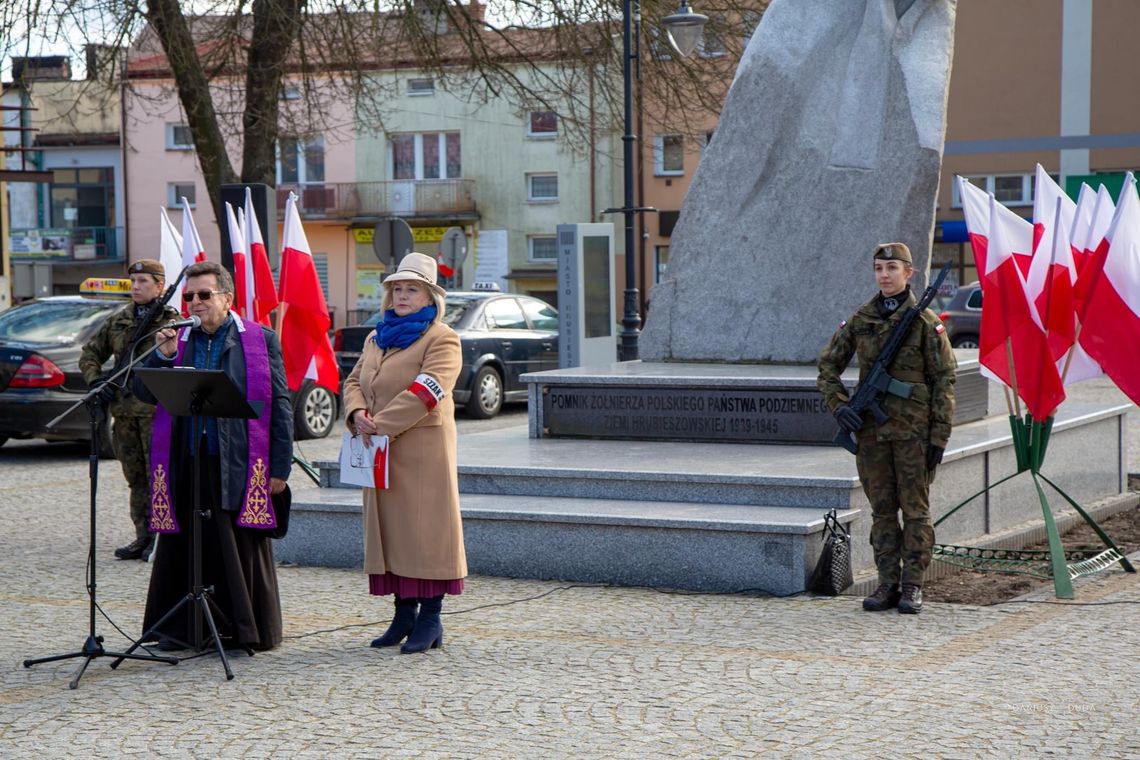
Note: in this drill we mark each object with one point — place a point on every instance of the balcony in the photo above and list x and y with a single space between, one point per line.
82 245
427 198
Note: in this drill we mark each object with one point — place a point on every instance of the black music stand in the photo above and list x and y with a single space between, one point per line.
196 393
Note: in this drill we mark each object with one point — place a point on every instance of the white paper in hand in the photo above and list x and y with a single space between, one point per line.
363 465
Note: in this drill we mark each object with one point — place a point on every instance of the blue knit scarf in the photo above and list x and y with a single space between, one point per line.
401 332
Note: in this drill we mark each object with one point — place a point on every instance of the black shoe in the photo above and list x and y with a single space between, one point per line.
148 549
911 601
885 597
133 550
428 630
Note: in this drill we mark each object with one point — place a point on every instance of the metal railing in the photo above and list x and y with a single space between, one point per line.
344 200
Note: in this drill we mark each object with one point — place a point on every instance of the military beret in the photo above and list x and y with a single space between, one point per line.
893 252
147 266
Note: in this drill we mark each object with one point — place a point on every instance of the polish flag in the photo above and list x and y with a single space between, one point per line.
192 249
1051 270
976 208
305 316
169 247
1110 324
1012 343
1082 220
243 293
1104 210
257 264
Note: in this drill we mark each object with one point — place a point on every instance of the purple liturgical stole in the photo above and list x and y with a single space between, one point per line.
257 506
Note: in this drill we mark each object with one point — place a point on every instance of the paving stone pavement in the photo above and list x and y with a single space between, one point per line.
544 669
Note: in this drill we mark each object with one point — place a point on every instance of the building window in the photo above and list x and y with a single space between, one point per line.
300 161
543 124
424 86
668 155
666 221
178 137
290 92
176 191
83 197
542 187
542 248
660 261
426 155
711 44
1008 189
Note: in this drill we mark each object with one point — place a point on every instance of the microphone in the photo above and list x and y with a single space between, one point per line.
194 321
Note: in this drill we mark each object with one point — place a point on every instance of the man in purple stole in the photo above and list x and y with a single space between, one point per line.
242 464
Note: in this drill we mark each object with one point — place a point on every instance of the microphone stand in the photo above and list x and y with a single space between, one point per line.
93 645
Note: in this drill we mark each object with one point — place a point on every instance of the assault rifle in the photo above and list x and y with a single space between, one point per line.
878 383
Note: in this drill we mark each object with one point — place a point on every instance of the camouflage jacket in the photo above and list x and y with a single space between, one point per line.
925 361
110 342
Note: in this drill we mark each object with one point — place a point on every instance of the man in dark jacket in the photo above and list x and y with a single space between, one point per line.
236 465
133 418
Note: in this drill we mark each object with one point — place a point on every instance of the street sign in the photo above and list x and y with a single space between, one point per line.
391 241
452 253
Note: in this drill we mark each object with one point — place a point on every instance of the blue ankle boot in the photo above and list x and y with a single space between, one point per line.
402 624
428 631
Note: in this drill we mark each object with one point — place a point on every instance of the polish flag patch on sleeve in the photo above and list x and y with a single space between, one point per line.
940 328
427 389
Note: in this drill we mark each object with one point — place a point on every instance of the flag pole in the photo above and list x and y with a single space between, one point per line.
1012 374
1069 354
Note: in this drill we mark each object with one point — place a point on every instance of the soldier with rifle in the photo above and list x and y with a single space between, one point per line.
896 422
133 419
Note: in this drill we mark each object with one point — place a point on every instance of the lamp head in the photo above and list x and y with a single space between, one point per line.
685 28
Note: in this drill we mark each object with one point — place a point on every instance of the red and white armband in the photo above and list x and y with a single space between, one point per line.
428 390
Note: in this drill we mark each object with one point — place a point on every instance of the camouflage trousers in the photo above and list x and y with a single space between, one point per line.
895 478
131 436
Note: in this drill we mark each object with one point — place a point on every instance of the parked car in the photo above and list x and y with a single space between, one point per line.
40 344
503 336
963 316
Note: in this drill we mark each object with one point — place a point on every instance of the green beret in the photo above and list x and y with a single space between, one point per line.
893 252
147 266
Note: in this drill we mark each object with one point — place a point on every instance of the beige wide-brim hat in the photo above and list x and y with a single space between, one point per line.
418 267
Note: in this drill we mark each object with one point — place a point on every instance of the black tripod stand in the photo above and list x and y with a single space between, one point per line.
195 393
93 646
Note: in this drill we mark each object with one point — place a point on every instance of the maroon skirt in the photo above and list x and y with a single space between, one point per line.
412 588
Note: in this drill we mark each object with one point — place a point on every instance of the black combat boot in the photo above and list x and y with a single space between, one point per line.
402 623
885 597
133 550
428 632
911 601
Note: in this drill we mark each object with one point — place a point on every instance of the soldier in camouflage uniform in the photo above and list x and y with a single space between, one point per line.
133 419
896 460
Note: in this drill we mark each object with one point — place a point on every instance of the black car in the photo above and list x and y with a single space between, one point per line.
503 335
40 344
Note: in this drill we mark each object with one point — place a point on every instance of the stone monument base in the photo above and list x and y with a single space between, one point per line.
721 403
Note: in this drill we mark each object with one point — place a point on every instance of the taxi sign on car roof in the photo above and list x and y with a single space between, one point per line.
486 286
105 286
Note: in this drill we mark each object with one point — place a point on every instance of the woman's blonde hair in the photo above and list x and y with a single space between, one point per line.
437 298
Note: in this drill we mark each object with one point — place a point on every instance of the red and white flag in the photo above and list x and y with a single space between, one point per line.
243 293
192 249
257 265
1094 245
169 247
305 316
1110 322
976 208
1082 220
1052 272
1012 343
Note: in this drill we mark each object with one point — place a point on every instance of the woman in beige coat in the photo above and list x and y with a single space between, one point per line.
401 387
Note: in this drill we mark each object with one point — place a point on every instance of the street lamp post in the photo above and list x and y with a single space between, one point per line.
684 29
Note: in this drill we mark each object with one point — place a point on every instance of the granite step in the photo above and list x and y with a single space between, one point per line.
685 545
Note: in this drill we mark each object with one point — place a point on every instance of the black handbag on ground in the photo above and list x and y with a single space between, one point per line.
832 574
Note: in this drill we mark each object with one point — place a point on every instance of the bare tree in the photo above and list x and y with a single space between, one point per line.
226 57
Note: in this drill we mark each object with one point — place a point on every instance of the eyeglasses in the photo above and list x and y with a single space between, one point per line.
203 295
